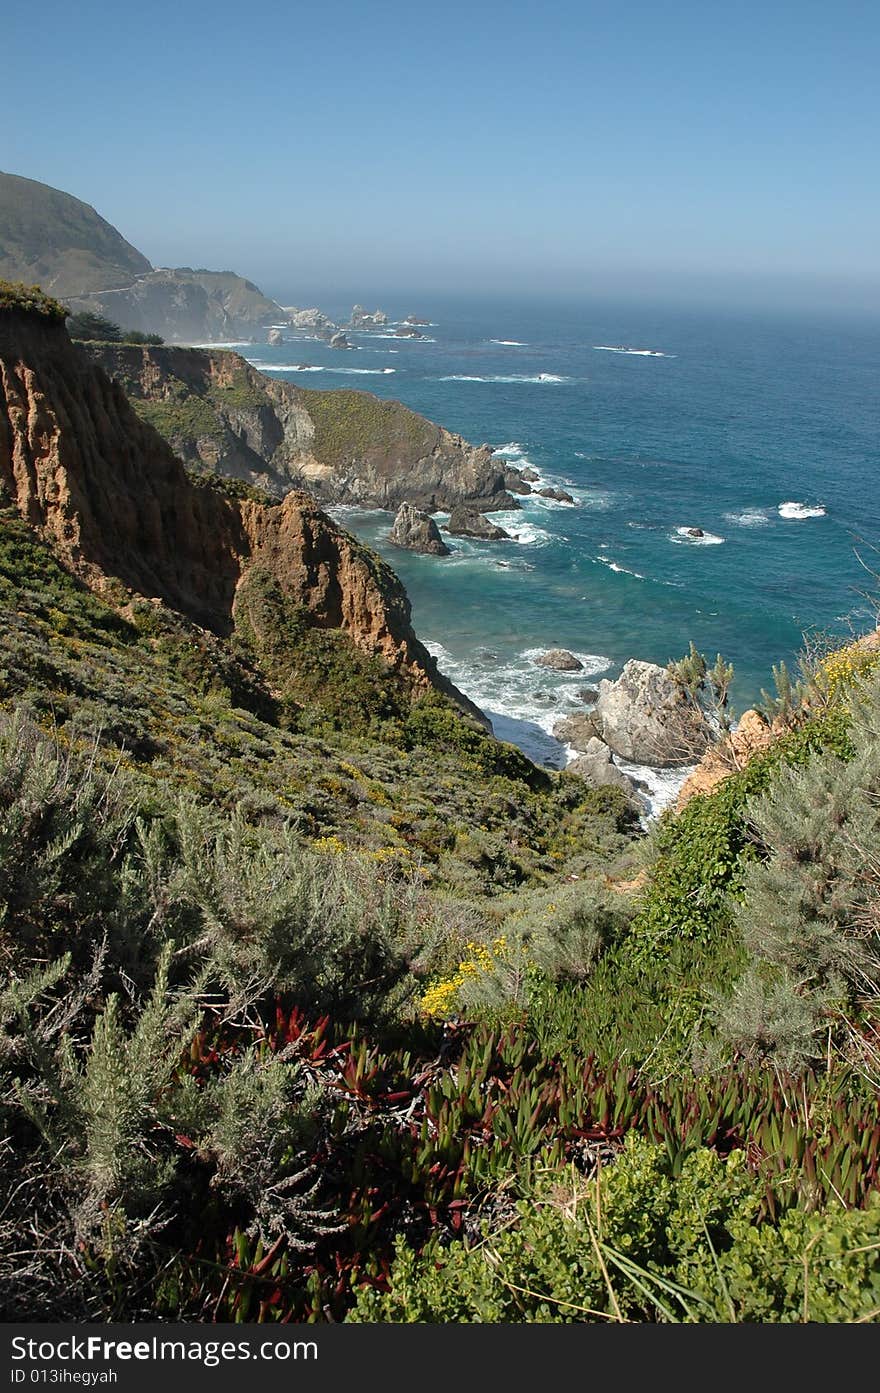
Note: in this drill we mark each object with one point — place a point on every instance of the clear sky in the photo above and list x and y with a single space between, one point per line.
572 145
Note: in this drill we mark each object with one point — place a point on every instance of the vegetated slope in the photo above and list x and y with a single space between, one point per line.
320 1003
218 412
51 238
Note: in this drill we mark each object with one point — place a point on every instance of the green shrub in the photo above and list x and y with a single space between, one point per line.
640 1242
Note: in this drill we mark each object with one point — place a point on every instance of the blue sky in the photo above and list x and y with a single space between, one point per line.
491 145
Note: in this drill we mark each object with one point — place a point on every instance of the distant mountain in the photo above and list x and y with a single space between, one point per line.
54 240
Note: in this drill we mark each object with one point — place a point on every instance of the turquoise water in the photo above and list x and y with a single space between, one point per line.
740 418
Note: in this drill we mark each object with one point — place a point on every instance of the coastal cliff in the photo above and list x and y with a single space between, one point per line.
220 414
98 483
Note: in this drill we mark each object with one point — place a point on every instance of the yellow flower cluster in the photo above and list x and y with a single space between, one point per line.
441 998
331 844
844 666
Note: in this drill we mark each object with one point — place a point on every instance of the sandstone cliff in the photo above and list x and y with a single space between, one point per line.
344 447
110 496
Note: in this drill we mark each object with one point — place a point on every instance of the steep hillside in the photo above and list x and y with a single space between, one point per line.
104 488
51 238
218 412
188 306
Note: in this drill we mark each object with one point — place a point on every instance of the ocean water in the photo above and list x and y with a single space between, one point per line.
763 432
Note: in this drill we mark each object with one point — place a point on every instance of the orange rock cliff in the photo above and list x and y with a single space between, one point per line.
105 490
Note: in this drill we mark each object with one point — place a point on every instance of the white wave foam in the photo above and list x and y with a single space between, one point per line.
664 785
799 511
547 378
632 352
621 570
749 517
512 450
316 367
708 539
510 343
520 529
215 343
405 338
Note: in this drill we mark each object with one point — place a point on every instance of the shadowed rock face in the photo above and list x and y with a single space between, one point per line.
215 410
108 493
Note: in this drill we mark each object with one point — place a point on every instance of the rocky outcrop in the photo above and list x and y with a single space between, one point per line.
752 735
338 340
360 319
416 531
553 491
515 480
106 491
466 522
407 331
219 413
597 767
274 338
647 717
560 660
309 319
577 730
415 319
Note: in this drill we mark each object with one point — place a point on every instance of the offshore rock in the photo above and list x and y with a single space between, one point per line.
360 319
552 491
309 319
560 660
417 531
467 522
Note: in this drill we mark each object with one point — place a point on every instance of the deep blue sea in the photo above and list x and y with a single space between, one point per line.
763 432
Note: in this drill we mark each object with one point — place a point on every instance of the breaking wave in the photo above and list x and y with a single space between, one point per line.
799 511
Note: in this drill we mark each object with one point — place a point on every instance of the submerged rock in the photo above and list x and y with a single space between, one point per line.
467 522
694 532
417 531
588 695
647 717
560 660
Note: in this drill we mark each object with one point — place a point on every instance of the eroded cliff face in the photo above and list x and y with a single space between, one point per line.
343 447
111 497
